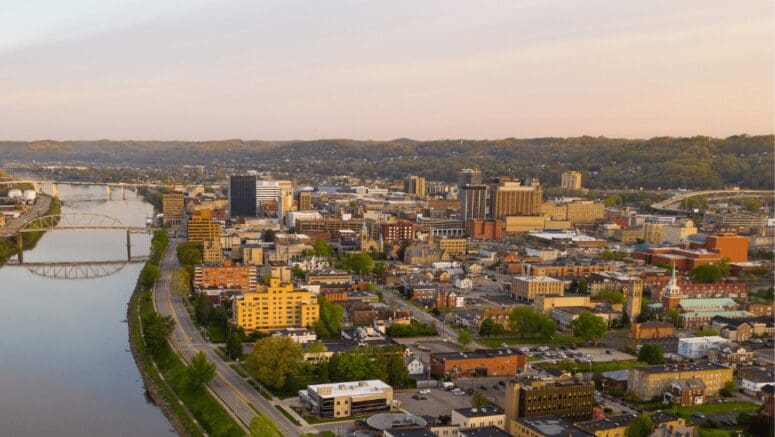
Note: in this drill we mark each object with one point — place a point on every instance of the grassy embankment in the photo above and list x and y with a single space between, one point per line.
170 378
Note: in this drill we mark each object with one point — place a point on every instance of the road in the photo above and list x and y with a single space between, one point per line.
233 390
422 316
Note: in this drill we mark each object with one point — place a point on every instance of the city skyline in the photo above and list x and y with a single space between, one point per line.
291 70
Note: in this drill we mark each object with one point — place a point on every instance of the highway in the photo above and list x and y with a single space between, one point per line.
234 391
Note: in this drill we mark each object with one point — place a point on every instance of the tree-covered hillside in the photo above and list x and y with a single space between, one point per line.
695 162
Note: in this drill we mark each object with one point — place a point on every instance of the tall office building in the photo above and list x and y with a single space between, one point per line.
286 197
414 185
473 202
172 206
242 196
472 194
571 180
304 201
509 198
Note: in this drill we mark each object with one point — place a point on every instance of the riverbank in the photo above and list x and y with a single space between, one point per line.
30 239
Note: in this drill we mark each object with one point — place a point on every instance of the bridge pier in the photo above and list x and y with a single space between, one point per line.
19 248
110 192
128 246
123 192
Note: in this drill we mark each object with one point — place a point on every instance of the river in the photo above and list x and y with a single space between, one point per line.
65 365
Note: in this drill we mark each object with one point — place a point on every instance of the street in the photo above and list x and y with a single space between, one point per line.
233 390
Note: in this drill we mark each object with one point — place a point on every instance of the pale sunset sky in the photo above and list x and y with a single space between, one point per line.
287 69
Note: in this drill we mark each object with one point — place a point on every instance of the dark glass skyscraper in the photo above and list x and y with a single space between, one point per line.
242 196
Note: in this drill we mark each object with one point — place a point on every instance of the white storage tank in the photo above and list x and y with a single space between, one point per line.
15 193
30 195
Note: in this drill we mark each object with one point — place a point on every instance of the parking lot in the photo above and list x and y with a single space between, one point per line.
437 402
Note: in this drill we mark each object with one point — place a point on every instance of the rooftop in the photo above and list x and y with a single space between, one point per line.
606 423
479 353
674 368
536 279
487 431
721 302
355 388
490 410
711 314
699 340
551 426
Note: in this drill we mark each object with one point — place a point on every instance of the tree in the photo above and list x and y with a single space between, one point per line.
316 347
189 254
730 387
298 272
478 400
353 365
707 273
204 309
329 321
270 235
583 286
674 316
707 332
589 326
156 329
379 270
262 426
321 248
615 297
361 262
530 323
652 354
752 204
273 359
234 345
464 338
641 426
489 327
200 371
150 275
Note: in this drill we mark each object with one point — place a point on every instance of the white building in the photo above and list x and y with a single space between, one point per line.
464 283
292 216
698 347
299 335
414 365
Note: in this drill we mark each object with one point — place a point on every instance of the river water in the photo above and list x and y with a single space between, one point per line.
65 365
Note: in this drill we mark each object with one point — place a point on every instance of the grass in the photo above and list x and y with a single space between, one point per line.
288 415
207 410
496 341
240 371
596 367
713 407
216 333
260 390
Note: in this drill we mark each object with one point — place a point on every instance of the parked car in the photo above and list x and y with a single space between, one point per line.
483 387
425 391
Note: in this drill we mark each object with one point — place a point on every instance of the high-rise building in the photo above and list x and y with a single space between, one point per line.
473 202
202 228
571 180
172 206
242 196
286 197
414 185
570 399
274 307
304 201
469 176
513 198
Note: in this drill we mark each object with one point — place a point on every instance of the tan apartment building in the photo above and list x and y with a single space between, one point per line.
527 288
304 201
173 207
227 276
201 227
516 224
571 180
577 211
453 246
415 185
651 381
274 307
511 198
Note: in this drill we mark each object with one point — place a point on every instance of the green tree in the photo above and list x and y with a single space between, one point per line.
752 204
317 347
529 323
321 248
589 327
200 371
397 373
361 262
156 329
189 254
270 235
379 270
641 426
708 273
489 327
204 309
298 272
652 354
478 400
329 321
234 345
353 365
262 426
615 297
729 389
707 332
583 286
150 275
464 338
273 359
674 316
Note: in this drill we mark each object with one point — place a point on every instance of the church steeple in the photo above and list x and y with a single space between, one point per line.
672 288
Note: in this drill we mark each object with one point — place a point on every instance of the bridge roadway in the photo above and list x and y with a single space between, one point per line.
670 204
233 390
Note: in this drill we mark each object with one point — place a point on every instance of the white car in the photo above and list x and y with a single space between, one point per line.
425 391
504 345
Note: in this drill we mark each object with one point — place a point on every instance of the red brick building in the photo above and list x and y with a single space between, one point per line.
484 229
398 231
697 290
483 362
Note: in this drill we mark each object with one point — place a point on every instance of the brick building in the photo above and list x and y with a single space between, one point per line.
483 362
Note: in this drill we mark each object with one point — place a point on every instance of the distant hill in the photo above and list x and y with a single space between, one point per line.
668 162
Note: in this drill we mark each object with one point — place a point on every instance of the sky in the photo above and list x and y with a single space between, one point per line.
290 69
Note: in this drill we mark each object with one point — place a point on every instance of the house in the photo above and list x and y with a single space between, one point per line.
753 380
686 392
698 347
414 365
464 283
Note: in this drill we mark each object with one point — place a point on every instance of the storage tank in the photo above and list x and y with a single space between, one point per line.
15 193
30 195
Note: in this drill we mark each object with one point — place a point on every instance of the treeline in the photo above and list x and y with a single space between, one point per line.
667 162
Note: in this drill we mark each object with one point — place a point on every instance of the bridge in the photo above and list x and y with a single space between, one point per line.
73 222
76 270
672 204
109 186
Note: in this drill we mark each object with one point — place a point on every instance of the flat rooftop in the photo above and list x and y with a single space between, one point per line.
551 426
536 279
355 388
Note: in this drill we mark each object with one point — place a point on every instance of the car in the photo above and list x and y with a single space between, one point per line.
470 391
425 391
458 393
416 396
483 387
607 352
503 383
504 345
